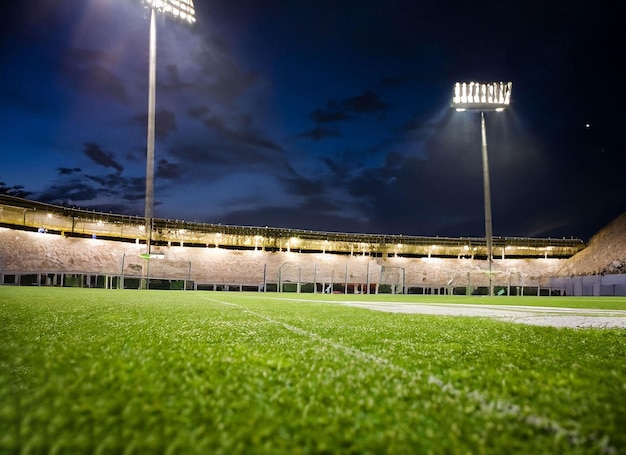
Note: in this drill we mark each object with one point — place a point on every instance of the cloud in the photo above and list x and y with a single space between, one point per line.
224 80
68 171
240 131
397 81
335 111
228 140
71 190
15 190
167 170
111 193
198 112
320 116
87 70
116 185
99 156
334 166
366 102
164 123
310 216
319 133
300 186
343 110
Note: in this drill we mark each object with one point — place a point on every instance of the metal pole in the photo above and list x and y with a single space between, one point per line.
299 280
264 277
367 278
121 283
403 279
487 193
150 140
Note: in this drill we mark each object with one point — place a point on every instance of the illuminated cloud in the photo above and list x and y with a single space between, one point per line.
102 158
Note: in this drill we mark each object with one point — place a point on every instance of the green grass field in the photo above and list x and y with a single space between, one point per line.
109 371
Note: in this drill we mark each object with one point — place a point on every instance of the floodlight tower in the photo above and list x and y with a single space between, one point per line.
493 96
184 10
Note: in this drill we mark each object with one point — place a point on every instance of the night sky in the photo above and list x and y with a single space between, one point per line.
321 115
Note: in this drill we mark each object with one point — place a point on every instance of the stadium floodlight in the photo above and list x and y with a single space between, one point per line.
493 96
480 96
184 10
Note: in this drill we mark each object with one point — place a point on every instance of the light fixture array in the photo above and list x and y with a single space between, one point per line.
476 95
182 9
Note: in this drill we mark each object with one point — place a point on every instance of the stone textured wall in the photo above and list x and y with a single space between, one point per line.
605 254
31 252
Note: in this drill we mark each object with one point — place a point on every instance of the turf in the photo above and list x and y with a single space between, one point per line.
607 303
101 371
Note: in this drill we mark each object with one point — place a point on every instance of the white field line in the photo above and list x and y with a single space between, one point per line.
533 315
498 407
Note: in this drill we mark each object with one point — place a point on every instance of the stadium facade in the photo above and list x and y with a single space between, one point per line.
45 244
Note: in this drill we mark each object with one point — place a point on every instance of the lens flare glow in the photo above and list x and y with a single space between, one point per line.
182 9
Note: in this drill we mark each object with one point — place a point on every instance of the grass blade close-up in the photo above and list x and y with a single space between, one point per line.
112 371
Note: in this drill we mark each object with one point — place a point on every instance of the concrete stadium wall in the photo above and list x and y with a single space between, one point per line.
592 285
31 252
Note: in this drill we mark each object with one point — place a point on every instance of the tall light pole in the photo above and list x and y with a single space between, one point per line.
184 10
493 96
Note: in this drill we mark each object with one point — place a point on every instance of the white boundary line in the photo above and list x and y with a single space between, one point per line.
575 318
503 408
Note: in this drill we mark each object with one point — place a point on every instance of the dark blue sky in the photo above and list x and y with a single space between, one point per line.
325 115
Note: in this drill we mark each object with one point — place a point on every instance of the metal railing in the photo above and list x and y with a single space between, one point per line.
70 221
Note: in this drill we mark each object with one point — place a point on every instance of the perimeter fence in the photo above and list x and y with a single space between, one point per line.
290 278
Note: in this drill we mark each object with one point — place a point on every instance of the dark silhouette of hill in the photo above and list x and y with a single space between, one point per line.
605 254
